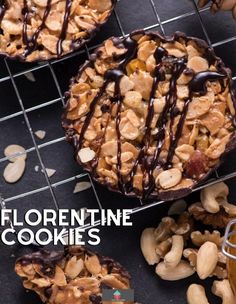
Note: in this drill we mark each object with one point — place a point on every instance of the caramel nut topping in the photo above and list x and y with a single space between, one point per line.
44 29
170 99
74 276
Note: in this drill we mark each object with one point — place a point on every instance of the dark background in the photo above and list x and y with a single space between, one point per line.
120 243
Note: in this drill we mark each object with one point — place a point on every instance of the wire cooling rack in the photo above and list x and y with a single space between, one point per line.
49 186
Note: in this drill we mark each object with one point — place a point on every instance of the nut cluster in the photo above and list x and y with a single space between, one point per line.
151 116
225 5
75 276
43 29
179 251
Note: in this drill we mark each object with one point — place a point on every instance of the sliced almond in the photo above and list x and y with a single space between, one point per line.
86 155
15 149
50 172
198 64
81 186
92 264
73 267
59 278
14 171
40 134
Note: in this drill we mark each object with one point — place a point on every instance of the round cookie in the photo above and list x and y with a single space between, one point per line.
216 5
74 276
151 116
43 29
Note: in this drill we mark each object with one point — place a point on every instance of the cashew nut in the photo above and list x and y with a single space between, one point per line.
196 294
164 229
211 195
207 259
220 270
163 247
173 257
229 208
148 246
181 271
223 290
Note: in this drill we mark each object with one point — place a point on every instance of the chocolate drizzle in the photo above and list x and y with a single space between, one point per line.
115 76
64 27
198 83
165 64
3 7
31 44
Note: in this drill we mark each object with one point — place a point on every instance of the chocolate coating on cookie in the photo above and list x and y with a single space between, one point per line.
151 116
74 276
44 29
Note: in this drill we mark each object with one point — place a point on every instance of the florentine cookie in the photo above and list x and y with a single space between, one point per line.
44 29
74 276
216 5
151 116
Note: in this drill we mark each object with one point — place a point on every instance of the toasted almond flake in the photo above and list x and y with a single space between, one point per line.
81 186
86 155
30 76
50 172
36 168
14 171
40 134
15 152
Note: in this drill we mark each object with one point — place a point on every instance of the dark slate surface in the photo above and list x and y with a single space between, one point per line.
122 243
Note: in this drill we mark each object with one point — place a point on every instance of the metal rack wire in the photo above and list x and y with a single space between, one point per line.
160 25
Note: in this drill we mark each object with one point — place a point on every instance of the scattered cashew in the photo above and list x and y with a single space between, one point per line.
223 290
181 271
163 247
148 246
196 294
207 259
211 194
164 229
173 257
220 270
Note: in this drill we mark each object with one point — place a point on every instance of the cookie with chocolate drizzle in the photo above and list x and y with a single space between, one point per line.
217 5
151 116
75 275
43 29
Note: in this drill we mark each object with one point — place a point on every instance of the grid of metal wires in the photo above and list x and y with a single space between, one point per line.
86 50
